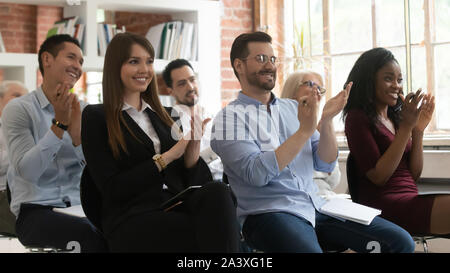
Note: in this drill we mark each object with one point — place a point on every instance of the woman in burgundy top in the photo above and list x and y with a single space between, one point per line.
386 144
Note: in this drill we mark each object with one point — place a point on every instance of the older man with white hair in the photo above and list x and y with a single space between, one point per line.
8 91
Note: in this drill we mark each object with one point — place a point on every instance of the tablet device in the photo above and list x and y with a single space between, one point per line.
179 198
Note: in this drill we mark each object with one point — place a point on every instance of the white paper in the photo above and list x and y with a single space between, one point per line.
346 209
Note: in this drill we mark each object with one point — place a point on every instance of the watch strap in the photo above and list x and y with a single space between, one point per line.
60 125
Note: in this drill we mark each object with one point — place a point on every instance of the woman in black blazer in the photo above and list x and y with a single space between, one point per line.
136 164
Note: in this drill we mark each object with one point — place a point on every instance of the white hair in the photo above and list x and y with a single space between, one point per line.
4 86
294 81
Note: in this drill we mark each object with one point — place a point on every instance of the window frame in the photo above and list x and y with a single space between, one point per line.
433 137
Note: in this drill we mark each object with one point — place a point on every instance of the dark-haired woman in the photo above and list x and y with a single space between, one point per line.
386 144
137 164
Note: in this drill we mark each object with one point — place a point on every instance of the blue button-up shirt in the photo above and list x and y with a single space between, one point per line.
43 169
245 135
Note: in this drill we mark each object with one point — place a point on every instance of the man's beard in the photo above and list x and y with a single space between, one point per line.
188 101
268 86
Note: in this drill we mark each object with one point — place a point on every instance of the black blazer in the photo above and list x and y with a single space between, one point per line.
132 184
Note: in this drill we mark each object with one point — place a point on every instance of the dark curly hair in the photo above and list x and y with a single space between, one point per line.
362 95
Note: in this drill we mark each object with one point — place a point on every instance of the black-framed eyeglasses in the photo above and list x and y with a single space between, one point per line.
263 59
313 84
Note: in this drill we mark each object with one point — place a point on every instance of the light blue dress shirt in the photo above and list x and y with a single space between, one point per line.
43 169
245 135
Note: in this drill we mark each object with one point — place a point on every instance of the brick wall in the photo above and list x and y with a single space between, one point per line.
139 23
237 18
18 27
31 29
275 20
24 27
46 15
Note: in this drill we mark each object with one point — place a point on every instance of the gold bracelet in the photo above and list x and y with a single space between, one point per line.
158 158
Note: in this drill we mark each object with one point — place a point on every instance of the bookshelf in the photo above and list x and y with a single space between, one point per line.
206 13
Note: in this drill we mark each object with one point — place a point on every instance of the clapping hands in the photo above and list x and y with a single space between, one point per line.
413 116
335 105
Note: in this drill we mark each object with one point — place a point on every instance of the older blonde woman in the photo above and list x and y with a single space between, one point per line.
301 84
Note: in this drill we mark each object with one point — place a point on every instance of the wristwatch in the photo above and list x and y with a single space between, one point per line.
158 158
59 125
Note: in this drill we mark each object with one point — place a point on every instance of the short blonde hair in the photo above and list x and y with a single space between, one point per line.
4 86
294 81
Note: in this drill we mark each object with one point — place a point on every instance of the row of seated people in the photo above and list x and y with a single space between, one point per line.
138 156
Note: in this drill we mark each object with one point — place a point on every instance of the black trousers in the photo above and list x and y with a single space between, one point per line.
40 226
206 222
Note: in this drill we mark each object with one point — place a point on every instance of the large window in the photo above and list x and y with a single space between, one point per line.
329 35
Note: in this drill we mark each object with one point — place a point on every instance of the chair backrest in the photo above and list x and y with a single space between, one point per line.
352 177
8 193
91 199
225 179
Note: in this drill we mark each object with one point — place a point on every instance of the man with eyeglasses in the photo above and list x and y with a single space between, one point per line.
269 148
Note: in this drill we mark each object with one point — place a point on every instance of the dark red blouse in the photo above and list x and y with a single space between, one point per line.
367 148
398 199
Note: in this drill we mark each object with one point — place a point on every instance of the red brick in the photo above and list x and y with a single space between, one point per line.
243 14
231 23
26 11
227 43
229 95
47 20
247 25
230 33
225 63
232 3
248 4
227 13
225 53
139 23
7 34
230 84
5 9
228 74
47 11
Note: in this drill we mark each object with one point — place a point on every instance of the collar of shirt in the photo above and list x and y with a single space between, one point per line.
248 100
42 98
145 105
144 122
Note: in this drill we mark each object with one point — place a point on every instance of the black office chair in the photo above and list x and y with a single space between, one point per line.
6 235
225 179
352 180
245 248
91 199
